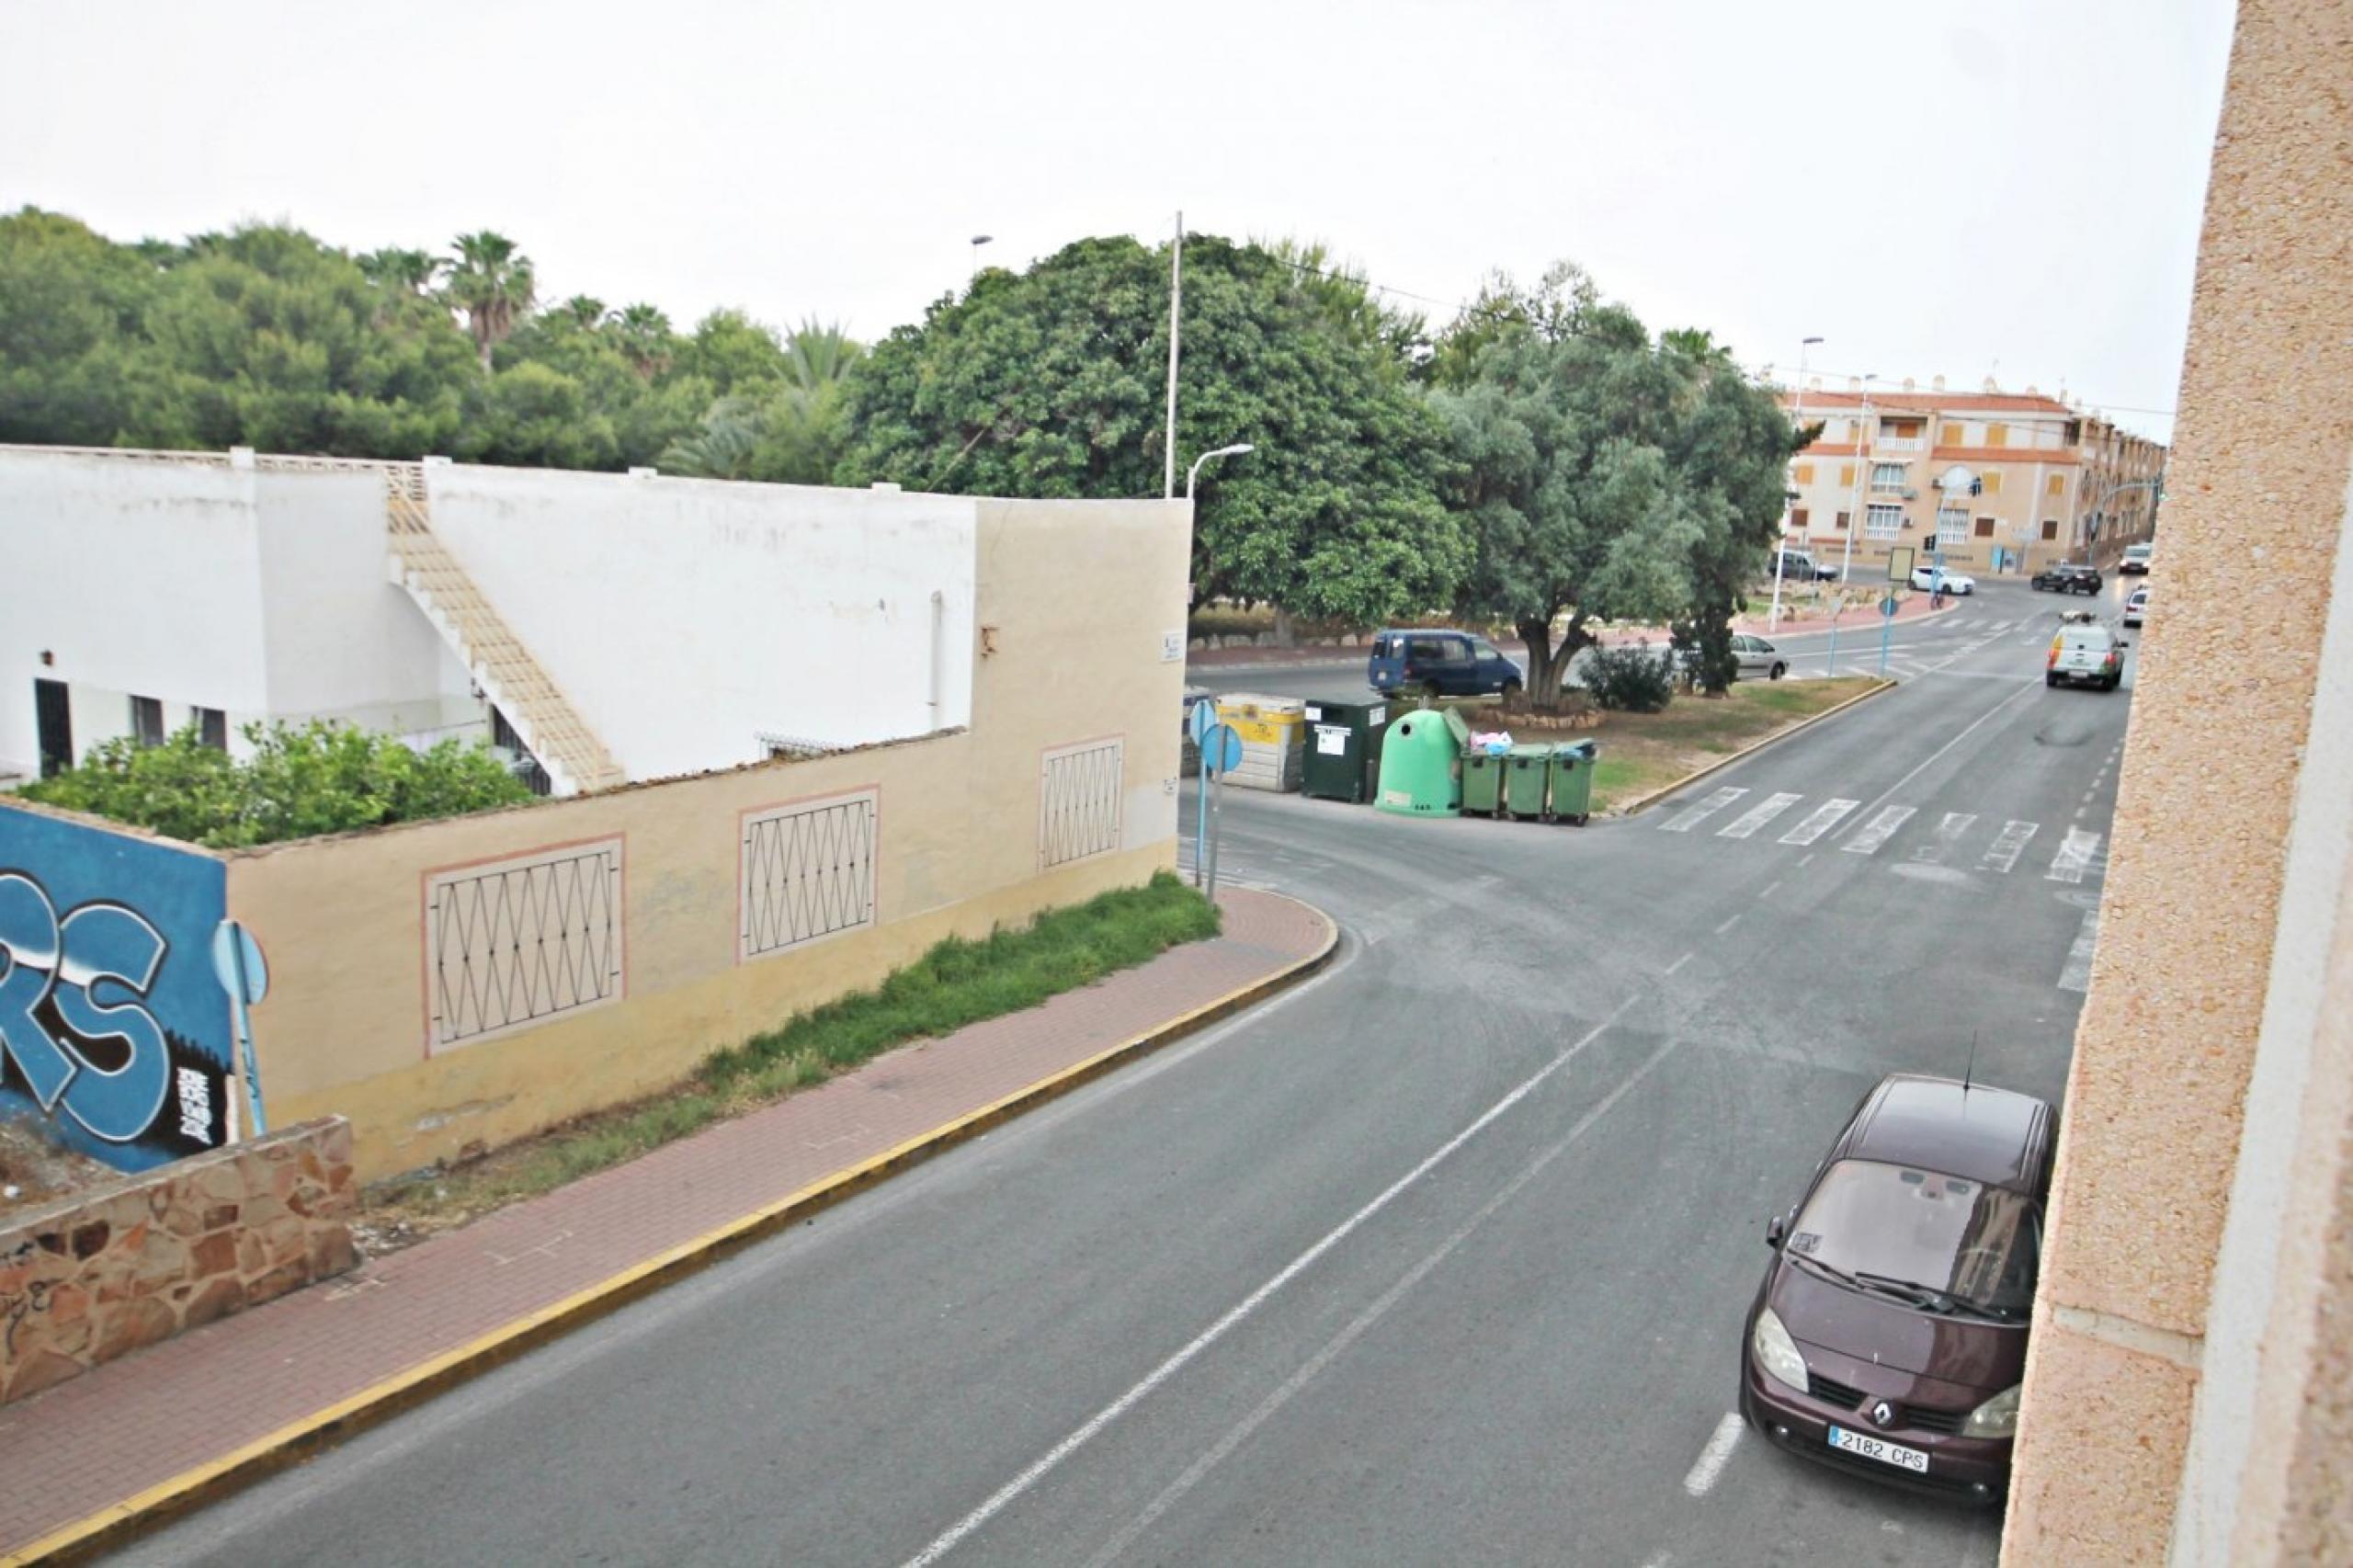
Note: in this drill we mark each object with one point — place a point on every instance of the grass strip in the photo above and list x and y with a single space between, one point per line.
959 981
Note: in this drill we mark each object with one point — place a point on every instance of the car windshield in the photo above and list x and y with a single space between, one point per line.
1976 1244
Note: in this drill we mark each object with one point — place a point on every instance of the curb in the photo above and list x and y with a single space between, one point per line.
1644 802
299 1440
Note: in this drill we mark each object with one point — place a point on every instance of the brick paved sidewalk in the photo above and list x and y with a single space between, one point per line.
94 1443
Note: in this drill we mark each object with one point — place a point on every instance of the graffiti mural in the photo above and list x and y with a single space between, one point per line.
114 1028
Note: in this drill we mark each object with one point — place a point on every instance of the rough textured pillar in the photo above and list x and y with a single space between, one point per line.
2162 1136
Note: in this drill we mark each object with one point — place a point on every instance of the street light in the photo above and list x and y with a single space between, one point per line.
1191 473
977 241
1846 557
1781 555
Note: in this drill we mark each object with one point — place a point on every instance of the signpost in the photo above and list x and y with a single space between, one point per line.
236 961
1886 624
1198 724
1220 754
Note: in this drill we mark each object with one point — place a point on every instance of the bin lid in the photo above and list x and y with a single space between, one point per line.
1454 723
1584 751
1532 749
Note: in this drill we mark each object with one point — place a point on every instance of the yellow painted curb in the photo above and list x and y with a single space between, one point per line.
1643 802
112 1525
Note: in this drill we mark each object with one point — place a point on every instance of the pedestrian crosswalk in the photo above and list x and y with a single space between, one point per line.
1957 839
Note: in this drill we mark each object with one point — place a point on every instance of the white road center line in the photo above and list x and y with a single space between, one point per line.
1730 921
1685 821
1038 1470
2008 847
1715 1456
1678 963
1878 831
2077 975
1930 760
1819 820
2074 855
1946 836
1757 815
1771 888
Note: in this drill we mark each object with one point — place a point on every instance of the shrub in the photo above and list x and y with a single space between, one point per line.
322 778
1637 679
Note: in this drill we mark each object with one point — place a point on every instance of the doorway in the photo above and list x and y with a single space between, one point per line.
54 715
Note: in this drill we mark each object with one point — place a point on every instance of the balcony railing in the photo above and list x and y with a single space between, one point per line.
1901 444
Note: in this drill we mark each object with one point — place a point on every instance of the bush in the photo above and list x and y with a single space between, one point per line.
1637 679
322 778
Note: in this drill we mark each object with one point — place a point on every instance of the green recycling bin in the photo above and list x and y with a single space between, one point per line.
1526 771
1572 770
1421 763
1343 761
1483 782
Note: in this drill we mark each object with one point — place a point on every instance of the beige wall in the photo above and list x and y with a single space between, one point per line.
1072 602
2189 1390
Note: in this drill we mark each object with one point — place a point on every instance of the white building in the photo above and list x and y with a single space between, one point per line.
616 628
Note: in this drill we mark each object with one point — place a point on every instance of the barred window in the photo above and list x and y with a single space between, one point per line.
1078 802
1883 522
807 871
516 941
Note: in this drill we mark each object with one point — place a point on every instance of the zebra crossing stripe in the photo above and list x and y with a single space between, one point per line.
1758 815
2006 850
1819 820
2075 857
1878 831
1705 809
1948 835
2077 975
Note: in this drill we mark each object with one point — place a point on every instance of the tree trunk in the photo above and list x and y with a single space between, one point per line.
1286 633
1546 665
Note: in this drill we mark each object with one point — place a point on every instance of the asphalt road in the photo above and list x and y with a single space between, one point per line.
1913 648
1440 1257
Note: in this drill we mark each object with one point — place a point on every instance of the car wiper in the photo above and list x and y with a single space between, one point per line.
1926 1295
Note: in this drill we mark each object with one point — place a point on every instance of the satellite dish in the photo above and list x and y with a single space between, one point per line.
1957 481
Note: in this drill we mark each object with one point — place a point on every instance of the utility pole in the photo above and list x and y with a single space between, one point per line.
1847 560
1176 301
1781 556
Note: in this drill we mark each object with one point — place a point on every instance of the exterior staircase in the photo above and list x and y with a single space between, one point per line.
576 760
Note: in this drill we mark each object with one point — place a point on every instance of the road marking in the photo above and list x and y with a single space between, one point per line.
1770 889
2077 975
1925 763
1878 831
1804 863
1715 1456
1757 815
1946 836
1705 809
2075 857
1045 1465
1819 820
1678 963
2009 847
1730 922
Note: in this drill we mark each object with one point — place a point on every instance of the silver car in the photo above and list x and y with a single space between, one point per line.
1754 657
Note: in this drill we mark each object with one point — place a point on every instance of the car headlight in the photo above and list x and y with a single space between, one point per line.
1997 1417
1777 1352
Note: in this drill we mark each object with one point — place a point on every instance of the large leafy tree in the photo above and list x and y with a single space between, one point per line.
1050 382
493 282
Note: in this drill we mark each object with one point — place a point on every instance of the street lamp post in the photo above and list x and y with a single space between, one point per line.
1846 558
1194 473
1781 556
977 241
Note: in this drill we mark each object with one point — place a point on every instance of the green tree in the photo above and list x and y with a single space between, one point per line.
408 271
1049 383
645 339
492 282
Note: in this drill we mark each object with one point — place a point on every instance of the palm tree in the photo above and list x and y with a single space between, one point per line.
819 354
585 310
645 334
491 281
403 271
722 449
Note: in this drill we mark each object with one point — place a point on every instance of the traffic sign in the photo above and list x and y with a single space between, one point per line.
236 960
1221 749
1203 715
1887 608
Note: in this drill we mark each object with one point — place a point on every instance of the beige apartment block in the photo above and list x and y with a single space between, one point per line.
2190 1386
2056 484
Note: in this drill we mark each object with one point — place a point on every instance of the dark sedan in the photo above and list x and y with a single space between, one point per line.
1889 1337
2067 577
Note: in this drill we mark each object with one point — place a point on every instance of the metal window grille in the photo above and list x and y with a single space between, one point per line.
808 871
1078 802
1883 522
523 939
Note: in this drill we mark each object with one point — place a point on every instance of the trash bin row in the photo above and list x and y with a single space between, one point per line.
1534 781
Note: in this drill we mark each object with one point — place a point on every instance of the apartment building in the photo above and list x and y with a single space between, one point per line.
2055 484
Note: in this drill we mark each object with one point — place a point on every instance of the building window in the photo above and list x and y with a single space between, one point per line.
513 942
807 871
1953 526
1993 483
1957 434
1984 528
1887 478
1844 518
1882 521
1846 475
1997 434
1804 474
1079 794
2050 529
2058 485
147 721
1798 519
212 728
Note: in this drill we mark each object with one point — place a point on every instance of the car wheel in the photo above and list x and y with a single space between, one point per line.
2050 680
1510 689
1429 692
1778 672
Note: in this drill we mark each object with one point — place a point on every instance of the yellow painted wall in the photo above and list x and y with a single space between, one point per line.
1073 600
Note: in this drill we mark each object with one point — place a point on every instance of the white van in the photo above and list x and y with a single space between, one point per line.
2085 653
2137 558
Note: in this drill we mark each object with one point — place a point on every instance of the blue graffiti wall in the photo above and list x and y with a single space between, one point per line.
114 1030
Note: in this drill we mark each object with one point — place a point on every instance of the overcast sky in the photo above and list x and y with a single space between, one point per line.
2000 187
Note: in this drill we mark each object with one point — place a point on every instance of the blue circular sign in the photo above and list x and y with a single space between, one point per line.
1221 749
1203 715
236 961
1887 607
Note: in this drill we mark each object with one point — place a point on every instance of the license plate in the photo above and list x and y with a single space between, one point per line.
1878 1448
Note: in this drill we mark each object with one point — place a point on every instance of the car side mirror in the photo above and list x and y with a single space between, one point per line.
1774 1232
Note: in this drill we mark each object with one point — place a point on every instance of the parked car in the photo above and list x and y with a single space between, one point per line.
1799 566
1752 655
2068 577
1439 661
2136 606
1890 1334
2137 558
2085 653
1925 579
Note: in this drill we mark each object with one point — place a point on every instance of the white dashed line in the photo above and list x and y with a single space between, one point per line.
1729 922
1715 1456
1770 887
1819 820
1678 963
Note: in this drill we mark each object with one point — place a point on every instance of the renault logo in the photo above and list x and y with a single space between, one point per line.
1884 1413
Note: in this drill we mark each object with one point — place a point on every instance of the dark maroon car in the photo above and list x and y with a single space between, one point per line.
1890 1334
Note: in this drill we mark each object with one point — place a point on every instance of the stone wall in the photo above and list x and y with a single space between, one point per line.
94 1277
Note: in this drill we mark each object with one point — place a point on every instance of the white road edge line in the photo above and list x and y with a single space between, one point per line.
1678 963
1730 922
1715 1456
997 1502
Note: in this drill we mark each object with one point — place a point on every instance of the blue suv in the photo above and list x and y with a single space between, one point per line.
1436 661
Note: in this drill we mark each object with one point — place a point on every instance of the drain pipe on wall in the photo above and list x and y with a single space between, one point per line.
938 647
